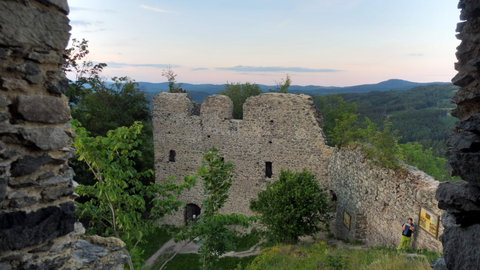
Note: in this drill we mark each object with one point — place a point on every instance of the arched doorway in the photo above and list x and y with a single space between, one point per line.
191 213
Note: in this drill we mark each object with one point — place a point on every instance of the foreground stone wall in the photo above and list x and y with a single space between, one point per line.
461 199
379 200
37 212
279 128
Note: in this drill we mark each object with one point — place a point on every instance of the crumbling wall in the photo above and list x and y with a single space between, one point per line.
37 212
461 199
379 200
279 128
284 129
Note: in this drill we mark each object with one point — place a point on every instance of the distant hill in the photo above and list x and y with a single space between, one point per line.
200 91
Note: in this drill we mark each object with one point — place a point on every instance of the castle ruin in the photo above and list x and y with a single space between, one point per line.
283 131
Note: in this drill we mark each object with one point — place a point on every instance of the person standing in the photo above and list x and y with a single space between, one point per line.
408 228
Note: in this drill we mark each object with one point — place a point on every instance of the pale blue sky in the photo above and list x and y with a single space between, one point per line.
321 42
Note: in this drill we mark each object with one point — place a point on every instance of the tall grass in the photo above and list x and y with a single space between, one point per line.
320 256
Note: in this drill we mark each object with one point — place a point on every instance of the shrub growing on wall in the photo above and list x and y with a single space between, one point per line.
293 206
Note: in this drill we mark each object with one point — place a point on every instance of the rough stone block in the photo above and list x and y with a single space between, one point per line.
53 193
461 247
46 138
3 188
44 109
57 83
50 31
13 84
29 164
21 229
60 4
45 57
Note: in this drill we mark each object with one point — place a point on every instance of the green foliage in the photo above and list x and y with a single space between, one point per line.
284 85
107 107
118 199
420 115
381 143
214 231
239 93
339 119
293 206
416 155
102 106
171 76
87 73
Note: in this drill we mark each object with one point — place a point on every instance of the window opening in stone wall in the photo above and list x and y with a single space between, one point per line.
268 169
191 213
172 155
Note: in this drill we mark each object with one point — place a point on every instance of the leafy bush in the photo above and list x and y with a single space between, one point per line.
117 204
293 206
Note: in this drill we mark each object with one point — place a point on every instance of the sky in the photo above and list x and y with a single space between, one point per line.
315 42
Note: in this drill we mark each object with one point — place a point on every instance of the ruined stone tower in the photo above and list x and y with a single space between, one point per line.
278 131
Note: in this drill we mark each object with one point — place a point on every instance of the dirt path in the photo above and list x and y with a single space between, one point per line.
184 247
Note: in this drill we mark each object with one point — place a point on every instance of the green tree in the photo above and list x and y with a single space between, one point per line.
416 155
118 199
214 231
87 73
381 145
171 76
239 93
284 85
112 105
340 119
101 106
294 206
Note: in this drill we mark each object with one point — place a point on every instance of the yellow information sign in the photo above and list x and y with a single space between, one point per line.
347 219
429 221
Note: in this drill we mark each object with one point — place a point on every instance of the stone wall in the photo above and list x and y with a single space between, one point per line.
462 199
379 200
279 128
284 129
37 211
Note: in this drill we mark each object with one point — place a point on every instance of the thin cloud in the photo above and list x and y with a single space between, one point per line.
91 9
121 65
159 10
199 68
80 23
416 54
276 69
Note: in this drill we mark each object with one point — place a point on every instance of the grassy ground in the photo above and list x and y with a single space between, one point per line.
154 242
191 262
320 256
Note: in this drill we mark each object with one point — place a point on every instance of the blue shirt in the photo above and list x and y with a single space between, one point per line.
407 232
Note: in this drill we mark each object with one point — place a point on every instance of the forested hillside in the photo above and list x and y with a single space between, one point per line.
419 115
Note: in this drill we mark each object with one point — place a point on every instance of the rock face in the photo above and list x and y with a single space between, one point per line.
37 212
462 199
283 131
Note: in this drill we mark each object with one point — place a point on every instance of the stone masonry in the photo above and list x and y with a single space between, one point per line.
283 131
461 240
37 211
278 128
378 200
